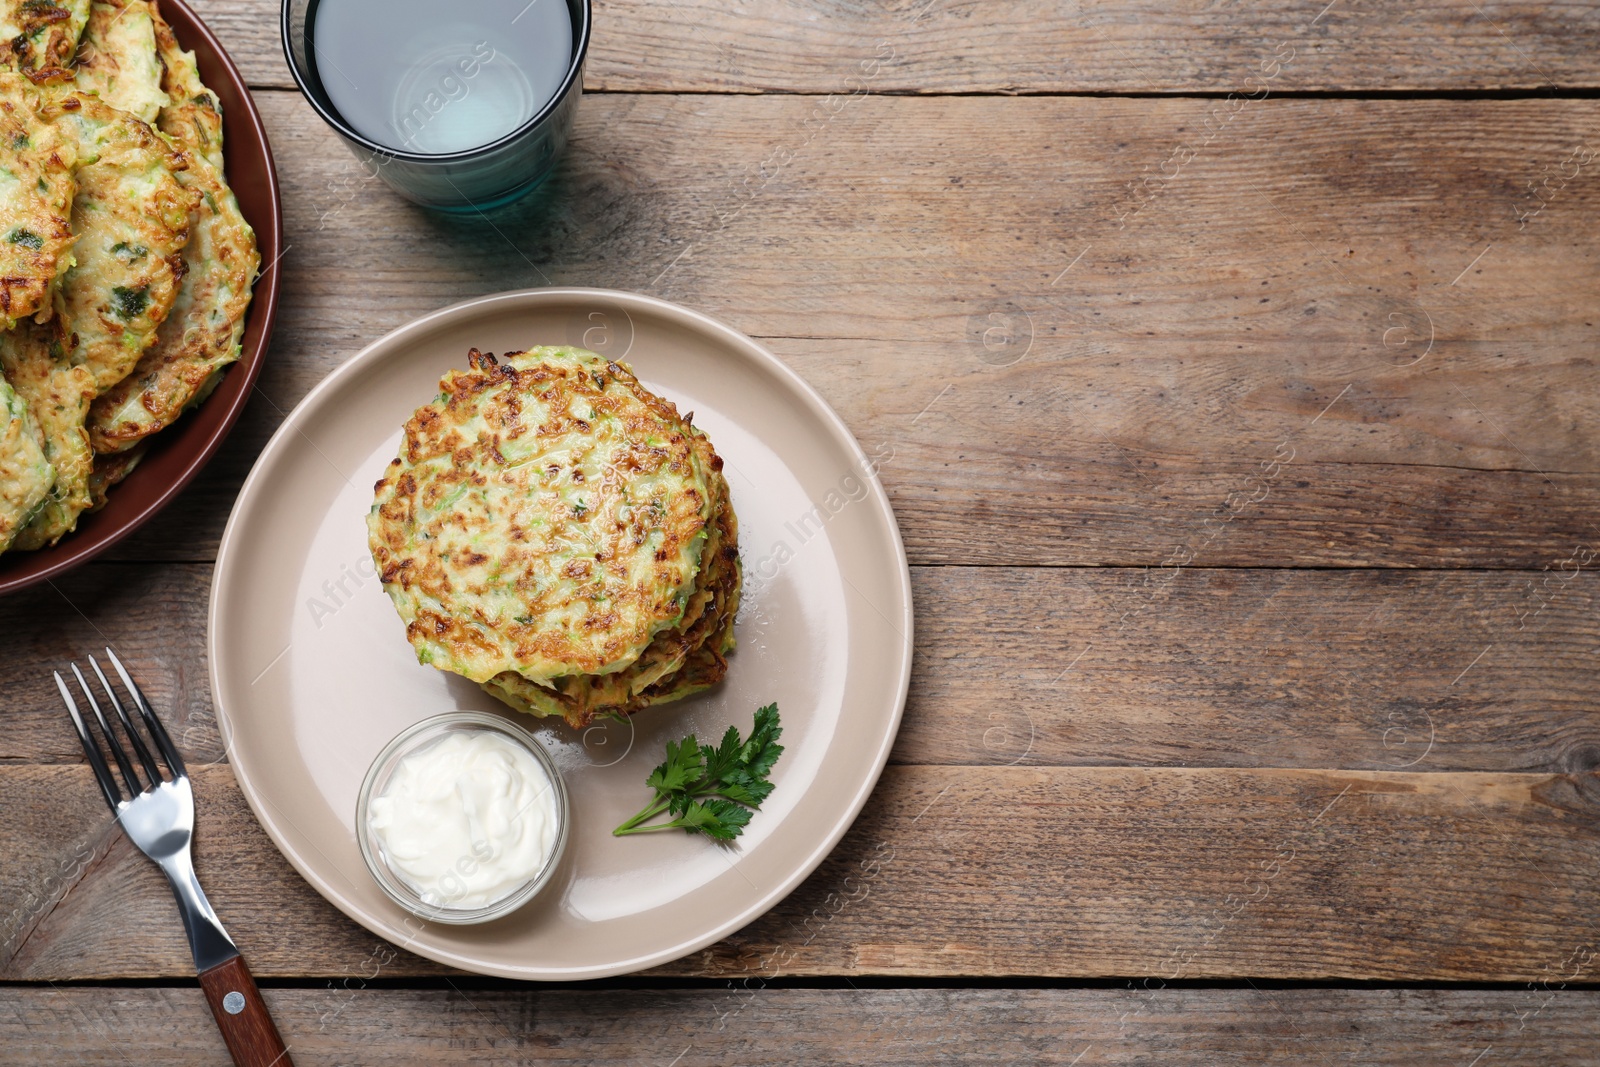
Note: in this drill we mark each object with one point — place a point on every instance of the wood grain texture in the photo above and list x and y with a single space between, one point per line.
1137 363
1073 872
1364 670
153 615
1036 46
714 1027
1062 372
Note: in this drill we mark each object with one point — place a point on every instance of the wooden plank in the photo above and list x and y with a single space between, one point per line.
1314 669
1208 371
712 1027
155 617
1072 872
72 861
1365 670
931 46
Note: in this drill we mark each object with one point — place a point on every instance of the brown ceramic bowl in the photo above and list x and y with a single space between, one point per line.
178 452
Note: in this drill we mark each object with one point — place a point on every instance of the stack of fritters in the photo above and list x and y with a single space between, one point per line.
559 534
125 265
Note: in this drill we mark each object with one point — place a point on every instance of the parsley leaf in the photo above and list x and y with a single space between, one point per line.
682 767
712 790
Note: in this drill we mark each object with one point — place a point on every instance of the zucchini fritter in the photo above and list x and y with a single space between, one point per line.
704 668
546 515
117 60
193 118
25 474
40 38
680 661
132 220
111 469
201 334
36 188
36 363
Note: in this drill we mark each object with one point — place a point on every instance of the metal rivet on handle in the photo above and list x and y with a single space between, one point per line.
233 1003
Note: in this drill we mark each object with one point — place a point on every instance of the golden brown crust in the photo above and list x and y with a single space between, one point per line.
40 38
201 335
546 515
35 210
193 118
680 661
118 60
111 469
35 361
131 217
25 473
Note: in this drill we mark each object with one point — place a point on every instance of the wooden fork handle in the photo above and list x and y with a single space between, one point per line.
242 1015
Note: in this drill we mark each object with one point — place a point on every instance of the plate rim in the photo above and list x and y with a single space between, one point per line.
818 408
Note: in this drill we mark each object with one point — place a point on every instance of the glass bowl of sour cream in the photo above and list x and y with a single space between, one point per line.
462 818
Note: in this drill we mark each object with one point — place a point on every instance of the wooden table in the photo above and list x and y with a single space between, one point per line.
1237 363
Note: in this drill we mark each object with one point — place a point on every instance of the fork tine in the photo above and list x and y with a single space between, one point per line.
134 785
102 773
150 768
169 751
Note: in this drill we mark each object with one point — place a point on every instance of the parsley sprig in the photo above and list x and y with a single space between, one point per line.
712 791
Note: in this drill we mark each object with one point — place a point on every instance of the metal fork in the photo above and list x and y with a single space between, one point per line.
158 816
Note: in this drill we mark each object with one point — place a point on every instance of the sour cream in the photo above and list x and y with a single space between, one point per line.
468 820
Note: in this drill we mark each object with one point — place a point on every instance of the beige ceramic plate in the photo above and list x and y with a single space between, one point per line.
312 673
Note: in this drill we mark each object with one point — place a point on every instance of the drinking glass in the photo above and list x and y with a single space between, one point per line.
468 178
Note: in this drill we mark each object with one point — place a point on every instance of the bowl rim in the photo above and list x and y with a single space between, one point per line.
580 49
21 570
413 739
